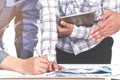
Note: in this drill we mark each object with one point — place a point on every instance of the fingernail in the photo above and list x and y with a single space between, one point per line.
62 22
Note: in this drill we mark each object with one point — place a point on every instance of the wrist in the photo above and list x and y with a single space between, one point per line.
51 55
73 34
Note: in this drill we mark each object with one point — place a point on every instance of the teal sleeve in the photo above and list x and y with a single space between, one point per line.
3 55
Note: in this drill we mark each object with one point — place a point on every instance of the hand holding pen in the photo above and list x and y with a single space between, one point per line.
52 65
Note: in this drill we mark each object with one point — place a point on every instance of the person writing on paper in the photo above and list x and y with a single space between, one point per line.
26 28
33 65
74 44
106 28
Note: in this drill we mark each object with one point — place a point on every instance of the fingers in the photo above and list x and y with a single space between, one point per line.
101 32
41 70
41 65
104 32
106 14
105 28
46 65
66 25
60 31
35 65
60 67
64 30
55 67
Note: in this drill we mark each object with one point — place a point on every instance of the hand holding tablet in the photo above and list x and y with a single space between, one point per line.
81 19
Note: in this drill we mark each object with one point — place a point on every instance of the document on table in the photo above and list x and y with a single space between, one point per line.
103 71
71 70
7 73
13 74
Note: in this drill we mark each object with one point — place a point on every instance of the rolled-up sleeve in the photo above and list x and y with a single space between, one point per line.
3 55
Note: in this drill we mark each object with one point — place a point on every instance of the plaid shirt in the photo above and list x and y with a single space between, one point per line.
78 41
49 36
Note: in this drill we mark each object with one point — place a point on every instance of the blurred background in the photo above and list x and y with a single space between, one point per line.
9 34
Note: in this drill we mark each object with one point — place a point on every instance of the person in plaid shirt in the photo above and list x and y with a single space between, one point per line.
75 45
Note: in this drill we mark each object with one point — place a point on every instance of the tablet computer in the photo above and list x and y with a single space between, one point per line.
80 19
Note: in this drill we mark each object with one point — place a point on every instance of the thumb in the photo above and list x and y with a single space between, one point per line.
59 27
64 24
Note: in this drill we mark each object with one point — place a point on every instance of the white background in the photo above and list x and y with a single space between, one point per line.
9 41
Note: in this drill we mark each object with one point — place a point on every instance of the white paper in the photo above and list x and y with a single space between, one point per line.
7 73
71 70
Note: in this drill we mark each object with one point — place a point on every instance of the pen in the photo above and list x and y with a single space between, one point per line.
36 51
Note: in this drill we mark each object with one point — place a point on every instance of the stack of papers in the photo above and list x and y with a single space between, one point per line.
72 71
103 71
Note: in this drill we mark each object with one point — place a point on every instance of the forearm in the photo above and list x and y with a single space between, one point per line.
8 62
12 63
